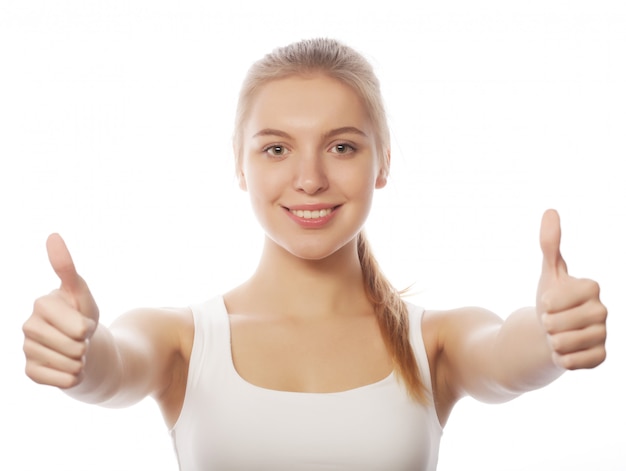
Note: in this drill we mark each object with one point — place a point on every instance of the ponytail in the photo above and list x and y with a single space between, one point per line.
393 321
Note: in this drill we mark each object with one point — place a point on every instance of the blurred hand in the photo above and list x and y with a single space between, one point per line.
57 333
569 308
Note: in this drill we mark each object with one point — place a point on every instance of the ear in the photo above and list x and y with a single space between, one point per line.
242 180
381 180
383 172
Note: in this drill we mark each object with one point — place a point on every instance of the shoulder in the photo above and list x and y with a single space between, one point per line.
450 329
449 338
177 317
448 321
169 330
163 339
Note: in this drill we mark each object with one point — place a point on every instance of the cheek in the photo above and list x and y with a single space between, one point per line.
356 181
262 184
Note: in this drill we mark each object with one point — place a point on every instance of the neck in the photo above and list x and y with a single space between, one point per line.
300 287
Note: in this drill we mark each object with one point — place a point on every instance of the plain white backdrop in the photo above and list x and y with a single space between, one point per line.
115 125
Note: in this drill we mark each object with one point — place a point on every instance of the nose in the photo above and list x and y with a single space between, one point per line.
311 177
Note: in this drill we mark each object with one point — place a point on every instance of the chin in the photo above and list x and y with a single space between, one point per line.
317 250
311 255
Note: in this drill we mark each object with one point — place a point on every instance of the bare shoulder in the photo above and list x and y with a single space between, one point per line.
166 330
446 321
157 344
172 317
450 329
447 336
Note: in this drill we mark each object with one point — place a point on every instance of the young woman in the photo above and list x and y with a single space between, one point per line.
315 362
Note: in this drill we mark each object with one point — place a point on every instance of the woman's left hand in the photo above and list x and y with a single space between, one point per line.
569 308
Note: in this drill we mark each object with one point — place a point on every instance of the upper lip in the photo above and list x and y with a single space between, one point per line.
311 207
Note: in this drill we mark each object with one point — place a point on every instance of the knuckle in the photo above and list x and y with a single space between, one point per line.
28 328
71 380
593 288
28 369
82 328
37 304
32 330
28 348
75 368
40 305
595 336
32 371
80 351
596 314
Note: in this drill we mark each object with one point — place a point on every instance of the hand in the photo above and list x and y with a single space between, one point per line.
569 308
56 335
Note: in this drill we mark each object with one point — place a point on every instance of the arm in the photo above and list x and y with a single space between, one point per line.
65 346
136 357
494 360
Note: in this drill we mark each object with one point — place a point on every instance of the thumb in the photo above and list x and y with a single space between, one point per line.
71 281
550 241
62 264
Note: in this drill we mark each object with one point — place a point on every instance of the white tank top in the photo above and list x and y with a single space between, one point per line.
227 423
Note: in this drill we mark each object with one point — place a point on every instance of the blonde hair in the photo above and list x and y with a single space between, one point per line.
336 60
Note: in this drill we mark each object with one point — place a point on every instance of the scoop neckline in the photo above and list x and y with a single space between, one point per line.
241 379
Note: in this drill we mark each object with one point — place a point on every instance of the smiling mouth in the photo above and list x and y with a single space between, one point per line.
311 214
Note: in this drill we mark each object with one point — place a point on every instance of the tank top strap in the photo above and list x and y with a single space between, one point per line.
416 313
211 342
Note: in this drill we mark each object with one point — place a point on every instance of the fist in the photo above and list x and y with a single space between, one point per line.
570 309
57 333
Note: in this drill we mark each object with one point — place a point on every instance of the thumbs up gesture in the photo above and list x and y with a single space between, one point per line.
57 334
569 308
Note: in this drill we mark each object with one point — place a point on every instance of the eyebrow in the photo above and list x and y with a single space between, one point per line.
327 135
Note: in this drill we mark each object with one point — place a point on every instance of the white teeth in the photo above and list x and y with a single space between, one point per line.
306 214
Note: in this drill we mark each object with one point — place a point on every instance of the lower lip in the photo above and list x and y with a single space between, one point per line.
312 223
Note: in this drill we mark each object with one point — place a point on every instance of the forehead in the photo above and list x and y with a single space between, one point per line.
306 102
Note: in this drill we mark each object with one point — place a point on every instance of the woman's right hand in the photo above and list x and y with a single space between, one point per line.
56 335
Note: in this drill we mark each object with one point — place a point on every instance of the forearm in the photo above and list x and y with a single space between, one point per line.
495 360
102 373
523 354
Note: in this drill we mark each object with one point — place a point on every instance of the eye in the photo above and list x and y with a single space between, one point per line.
275 150
343 148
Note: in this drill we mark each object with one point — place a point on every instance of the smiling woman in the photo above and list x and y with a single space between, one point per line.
291 162
315 361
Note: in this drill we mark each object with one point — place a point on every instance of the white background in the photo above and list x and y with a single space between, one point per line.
115 125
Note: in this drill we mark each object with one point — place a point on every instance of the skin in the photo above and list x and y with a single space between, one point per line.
302 322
